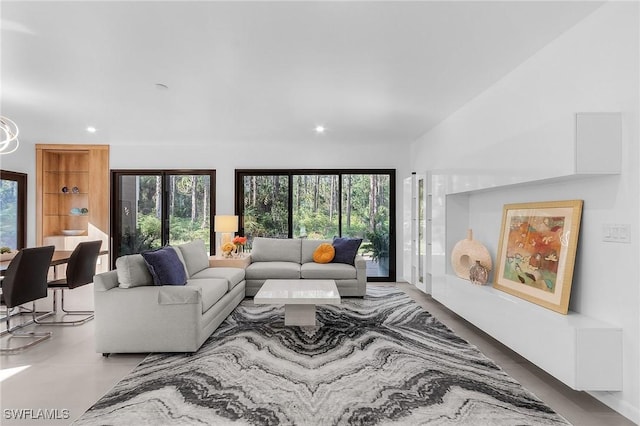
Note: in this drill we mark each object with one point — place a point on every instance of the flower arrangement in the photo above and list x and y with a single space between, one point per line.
228 249
239 243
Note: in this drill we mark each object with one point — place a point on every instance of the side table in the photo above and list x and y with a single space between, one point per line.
229 262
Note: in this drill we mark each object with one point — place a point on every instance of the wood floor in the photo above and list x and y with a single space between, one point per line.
66 376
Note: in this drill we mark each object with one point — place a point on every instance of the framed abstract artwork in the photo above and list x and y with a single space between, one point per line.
537 250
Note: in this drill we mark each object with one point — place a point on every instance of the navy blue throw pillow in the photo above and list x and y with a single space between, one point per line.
346 250
165 267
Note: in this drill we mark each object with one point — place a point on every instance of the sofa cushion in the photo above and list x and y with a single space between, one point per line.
346 249
271 270
165 266
324 253
179 253
275 250
195 256
132 271
327 271
212 290
234 276
309 247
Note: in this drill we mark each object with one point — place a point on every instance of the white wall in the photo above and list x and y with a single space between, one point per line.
525 123
225 158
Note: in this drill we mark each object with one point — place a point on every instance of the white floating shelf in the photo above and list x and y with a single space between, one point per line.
583 353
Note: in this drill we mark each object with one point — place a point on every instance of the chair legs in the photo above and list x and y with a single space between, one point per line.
88 315
36 337
19 310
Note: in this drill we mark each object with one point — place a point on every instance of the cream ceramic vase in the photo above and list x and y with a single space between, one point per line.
465 254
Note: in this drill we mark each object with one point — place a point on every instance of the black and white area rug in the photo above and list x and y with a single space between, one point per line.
377 360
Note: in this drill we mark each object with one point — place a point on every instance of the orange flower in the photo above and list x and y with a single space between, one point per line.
240 240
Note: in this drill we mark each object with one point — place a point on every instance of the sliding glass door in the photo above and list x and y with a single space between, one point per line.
265 206
323 204
153 208
366 213
315 211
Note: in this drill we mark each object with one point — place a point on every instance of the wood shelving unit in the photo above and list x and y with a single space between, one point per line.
72 193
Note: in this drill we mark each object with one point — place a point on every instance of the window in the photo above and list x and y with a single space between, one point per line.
13 209
265 206
153 208
323 204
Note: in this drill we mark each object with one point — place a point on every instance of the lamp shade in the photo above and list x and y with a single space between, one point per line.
226 223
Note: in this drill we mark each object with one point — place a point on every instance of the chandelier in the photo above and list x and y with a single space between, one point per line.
9 136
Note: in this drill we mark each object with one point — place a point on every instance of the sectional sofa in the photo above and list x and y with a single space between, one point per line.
134 315
273 258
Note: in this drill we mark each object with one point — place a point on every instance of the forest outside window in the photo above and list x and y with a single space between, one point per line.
323 204
153 208
13 209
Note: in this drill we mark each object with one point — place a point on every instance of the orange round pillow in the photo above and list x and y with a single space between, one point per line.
324 253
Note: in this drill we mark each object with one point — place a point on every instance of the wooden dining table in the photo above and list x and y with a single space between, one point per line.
60 257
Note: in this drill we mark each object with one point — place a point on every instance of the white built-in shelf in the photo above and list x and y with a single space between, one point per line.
582 352
597 151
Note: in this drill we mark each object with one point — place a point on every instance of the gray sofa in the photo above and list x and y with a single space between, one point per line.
133 315
273 258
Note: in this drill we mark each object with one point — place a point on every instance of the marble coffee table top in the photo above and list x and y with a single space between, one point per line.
299 292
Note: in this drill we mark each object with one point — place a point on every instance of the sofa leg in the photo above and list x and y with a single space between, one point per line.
106 354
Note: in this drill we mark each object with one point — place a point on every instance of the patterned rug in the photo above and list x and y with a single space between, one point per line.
377 360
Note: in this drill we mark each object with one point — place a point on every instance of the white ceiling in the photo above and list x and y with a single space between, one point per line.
259 72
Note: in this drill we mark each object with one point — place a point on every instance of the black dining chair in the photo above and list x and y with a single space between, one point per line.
25 281
80 271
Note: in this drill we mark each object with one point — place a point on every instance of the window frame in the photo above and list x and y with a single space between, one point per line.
239 201
21 210
165 173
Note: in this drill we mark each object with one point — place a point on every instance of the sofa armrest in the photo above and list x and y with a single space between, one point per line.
161 295
147 318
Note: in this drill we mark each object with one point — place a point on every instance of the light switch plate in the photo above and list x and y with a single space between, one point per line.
616 232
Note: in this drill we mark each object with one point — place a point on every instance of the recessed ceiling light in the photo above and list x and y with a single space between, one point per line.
91 129
320 129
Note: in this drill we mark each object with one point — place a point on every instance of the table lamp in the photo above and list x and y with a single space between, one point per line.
226 226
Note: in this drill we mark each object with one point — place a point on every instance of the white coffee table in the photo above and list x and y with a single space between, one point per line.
299 298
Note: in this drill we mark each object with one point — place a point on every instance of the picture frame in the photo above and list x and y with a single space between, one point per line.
537 251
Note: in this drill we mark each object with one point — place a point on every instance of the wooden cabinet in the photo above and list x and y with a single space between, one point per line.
72 194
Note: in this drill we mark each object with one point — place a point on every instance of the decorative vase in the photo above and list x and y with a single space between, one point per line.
467 250
478 274
8 256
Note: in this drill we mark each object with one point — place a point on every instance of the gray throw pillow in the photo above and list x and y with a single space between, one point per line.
132 271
